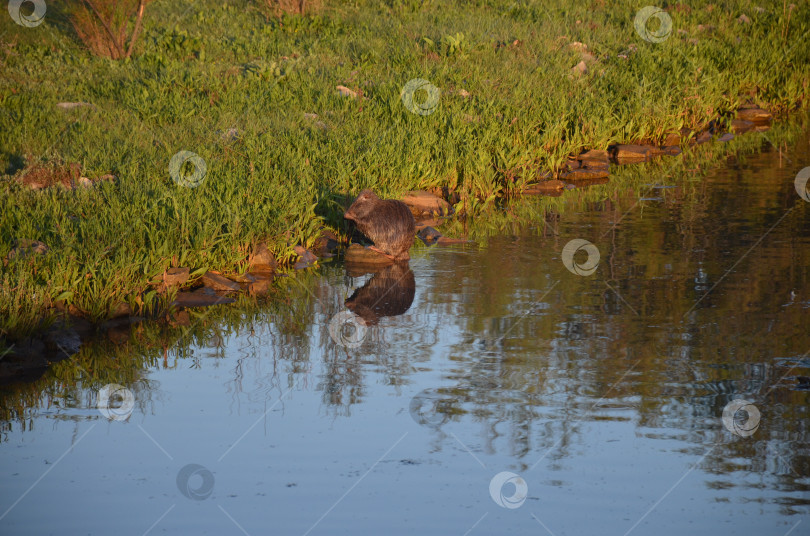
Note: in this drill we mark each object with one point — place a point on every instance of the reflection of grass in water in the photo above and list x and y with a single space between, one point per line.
229 67
633 180
150 344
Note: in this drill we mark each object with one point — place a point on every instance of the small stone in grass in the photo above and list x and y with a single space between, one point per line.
219 282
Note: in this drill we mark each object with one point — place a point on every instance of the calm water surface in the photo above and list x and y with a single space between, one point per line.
601 394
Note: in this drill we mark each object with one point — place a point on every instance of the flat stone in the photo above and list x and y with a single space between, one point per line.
671 150
447 241
756 115
584 183
243 278
427 222
343 91
357 254
631 152
728 136
545 187
740 126
703 137
262 259
596 164
585 174
172 277
673 138
429 235
421 202
594 155
219 282
306 258
200 298
261 274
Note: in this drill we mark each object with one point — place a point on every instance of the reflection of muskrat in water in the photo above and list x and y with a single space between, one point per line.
388 293
387 222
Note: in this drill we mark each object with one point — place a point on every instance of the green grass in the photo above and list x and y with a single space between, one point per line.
203 67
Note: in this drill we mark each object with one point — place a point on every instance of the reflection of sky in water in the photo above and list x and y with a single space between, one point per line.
605 397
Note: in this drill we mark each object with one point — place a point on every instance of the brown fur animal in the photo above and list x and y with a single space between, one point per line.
387 222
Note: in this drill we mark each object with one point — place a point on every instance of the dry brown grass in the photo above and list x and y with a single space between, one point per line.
39 175
108 28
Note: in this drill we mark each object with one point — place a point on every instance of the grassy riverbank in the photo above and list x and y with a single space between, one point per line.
238 88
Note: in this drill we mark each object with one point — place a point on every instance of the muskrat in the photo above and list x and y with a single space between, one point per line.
387 222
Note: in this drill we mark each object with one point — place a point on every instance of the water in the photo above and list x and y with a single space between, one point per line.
601 394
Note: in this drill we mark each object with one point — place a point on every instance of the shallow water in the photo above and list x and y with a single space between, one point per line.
603 394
